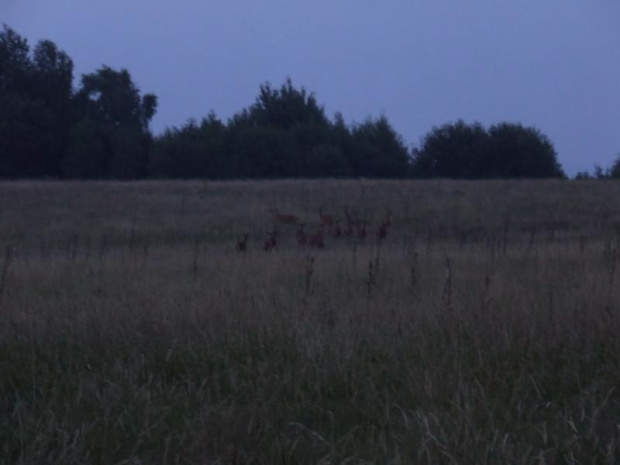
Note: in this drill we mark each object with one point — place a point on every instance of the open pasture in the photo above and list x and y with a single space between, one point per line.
483 328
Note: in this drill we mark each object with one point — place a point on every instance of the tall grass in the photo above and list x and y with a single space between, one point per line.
482 330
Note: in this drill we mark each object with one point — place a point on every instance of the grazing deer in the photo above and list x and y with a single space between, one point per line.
271 241
242 243
327 220
302 239
283 218
316 240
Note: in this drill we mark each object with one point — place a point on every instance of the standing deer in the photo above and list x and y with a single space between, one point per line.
316 240
351 223
388 218
348 231
302 239
271 240
242 243
382 231
352 218
337 232
327 220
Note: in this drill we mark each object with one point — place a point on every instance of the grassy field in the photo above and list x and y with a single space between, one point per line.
483 330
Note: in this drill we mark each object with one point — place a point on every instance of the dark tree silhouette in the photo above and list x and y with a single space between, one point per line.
614 170
35 107
101 130
516 151
377 151
53 84
469 151
193 151
116 118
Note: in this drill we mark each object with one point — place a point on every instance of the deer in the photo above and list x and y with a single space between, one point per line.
352 218
327 220
348 231
382 231
242 243
388 218
361 232
271 240
352 221
302 239
337 232
316 240
283 218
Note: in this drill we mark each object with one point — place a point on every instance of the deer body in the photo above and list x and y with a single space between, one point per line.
384 226
271 240
361 233
302 239
337 232
242 243
382 231
327 220
388 218
283 218
316 240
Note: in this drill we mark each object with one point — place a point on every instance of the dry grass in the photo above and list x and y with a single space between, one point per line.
483 331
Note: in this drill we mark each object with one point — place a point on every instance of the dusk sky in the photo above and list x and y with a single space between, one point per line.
553 64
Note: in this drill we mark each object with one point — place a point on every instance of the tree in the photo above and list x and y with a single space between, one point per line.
25 135
519 152
583 176
377 151
15 65
285 133
276 136
600 173
286 107
53 85
456 150
35 106
460 150
86 156
614 171
326 161
194 151
118 117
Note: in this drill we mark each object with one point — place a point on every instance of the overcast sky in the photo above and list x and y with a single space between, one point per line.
553 64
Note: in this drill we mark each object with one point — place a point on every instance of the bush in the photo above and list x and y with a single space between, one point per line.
469 151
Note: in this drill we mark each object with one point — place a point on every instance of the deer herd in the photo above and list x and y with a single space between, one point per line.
355 228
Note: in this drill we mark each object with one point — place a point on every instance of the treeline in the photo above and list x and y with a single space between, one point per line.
284 134
100 130
613 172
50 129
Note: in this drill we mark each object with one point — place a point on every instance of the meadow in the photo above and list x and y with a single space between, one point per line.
482 330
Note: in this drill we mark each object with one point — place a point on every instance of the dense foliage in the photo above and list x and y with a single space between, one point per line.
48 129
100 130
285 133
504 150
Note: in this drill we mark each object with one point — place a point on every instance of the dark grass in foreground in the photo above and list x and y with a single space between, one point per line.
484 332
